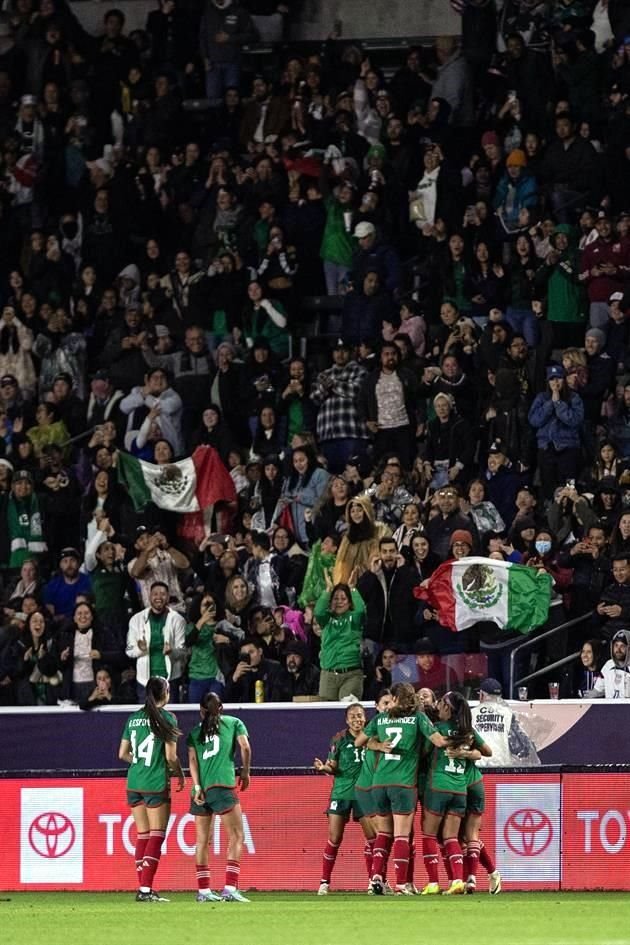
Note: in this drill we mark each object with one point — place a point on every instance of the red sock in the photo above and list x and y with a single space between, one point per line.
411 866
141 845
401 859
328 863
203 876
485 859
368 852
471 860
380 854
446 862
232 873
151 858
454 854
430 856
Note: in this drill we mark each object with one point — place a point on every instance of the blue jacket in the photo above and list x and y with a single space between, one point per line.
525 195
557 423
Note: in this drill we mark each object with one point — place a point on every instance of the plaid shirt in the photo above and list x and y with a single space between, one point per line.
338 416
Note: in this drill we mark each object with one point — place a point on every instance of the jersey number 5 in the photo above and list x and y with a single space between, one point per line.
213 742
394 733
144 750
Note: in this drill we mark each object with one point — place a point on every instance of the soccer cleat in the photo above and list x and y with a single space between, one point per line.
387 889
412 890
233 895
495 883
150 897
370 891
206 895
431 889
324 889
378 887
403 890
457 888
471 885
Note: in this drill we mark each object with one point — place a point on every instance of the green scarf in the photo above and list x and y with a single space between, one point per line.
24 525
314 580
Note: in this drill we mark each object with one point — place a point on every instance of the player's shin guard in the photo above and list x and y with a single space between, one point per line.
454 854
151 858
471 859
328 862
368 852
401 859
203 876
232 873
141 846
485 859
446 862
430 856
380 856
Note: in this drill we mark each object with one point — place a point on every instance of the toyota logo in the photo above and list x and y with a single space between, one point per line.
528 832
51 835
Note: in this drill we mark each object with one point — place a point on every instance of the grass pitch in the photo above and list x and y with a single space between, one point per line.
304 919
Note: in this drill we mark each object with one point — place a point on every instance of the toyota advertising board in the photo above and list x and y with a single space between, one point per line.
547 831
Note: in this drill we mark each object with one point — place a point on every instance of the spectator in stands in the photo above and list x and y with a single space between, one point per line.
386 587
156 640
301 678
614 603
614 680
340 429
253 668
157 561
61 592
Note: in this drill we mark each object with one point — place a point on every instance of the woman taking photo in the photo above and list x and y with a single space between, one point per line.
149 746
203 638
302 489
211 748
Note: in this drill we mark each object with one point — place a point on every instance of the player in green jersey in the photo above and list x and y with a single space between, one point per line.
445 795
398 736
211 748
149 746
344 763
363 787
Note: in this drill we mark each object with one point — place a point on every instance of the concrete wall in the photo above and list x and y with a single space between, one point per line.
360 18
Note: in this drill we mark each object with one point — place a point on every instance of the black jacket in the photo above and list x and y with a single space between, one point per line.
368 405
244 689
390 607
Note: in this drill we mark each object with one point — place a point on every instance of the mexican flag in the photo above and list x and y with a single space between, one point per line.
189 485
471 589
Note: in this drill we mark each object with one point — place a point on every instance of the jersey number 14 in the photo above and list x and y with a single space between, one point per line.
144 750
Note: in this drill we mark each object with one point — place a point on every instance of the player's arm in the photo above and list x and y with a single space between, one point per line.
438 740
193 764
325 767
361 740
174 766
246 761
374 745
468 754
124 751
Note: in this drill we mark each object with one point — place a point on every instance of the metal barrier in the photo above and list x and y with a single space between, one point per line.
534 641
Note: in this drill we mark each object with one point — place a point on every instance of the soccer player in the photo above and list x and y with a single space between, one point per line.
211 747
475 852
149 746
344 763
445 795
397 735
363 786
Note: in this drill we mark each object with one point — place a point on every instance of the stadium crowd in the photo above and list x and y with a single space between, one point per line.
393 301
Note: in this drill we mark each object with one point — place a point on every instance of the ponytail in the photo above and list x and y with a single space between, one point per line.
461 719
405 696
212 708
162 728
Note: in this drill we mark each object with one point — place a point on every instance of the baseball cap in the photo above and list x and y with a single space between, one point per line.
620 635
64 376
555 371
364 229
424 646
70 552
161 331
491 686
22 475
101 375
616 297
28 100
342 343
377 151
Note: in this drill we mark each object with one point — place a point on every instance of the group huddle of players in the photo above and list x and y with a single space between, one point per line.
415 749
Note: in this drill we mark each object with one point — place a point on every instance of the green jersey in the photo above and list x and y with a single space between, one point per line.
148 771
366 774
348 760
215 753
451 774
406 733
